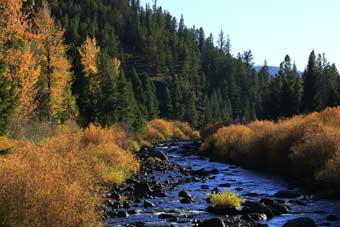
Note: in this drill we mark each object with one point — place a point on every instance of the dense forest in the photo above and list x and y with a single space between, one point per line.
127 64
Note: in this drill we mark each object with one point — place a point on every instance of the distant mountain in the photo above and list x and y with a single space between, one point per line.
273 70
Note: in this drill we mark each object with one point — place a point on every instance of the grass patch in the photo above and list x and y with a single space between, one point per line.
226 199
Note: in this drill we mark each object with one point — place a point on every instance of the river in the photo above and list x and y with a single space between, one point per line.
249 184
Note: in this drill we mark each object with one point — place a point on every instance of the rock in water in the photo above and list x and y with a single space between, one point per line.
142 189
214 222
255 207
300 222
184 194
122 214
332 217
148 204
287 194
157 154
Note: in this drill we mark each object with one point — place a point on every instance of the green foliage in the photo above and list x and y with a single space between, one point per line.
8 100
206 83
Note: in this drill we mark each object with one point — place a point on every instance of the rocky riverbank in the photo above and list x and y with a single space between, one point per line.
168 191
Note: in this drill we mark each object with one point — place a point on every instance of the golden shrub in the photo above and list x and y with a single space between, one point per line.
56 182
305 146
161 130
228 199
232 141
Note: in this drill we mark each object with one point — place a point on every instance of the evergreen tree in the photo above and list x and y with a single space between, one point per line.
291 89
8 100
140 93
126 110
151 102
310 83
168 111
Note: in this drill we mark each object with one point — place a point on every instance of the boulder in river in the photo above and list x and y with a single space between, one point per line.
332 217
300 222
225 185
122 214
214 222
166 216
142 189
258 216
157 154
148 204
255 207
287 194
184 194
187 200
223 210
297 202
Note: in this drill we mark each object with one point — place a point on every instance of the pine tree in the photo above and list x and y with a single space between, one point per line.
103 92
263 90
310 83
168 104
139 91
151 102
191 114
8 100
291 89
126 110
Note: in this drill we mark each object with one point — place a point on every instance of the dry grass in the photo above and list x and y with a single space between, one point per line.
226 199
306 147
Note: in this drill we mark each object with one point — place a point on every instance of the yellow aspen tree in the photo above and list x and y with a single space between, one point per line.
56 77
23 67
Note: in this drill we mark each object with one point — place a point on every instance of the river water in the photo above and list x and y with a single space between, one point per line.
249 184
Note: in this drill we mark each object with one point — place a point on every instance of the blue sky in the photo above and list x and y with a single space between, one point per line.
270 28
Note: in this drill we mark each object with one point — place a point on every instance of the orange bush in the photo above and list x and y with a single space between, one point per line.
306 146
56 182
161 130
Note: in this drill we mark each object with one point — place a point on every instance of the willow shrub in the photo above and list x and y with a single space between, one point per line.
162 130
56 182
306 147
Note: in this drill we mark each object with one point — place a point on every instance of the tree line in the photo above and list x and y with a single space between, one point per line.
114 61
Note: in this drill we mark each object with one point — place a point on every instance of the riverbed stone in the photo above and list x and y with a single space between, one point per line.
184 194
287 194
225 185
142 189
300 222
187 200
258 216
332 217
297 202
122 214
255 207
214 222
167 216
148 204
223 210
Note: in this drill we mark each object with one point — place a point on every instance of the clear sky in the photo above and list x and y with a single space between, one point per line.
270 28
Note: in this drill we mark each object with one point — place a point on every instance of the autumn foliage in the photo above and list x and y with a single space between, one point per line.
56 182
304 147
17 50
161 130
